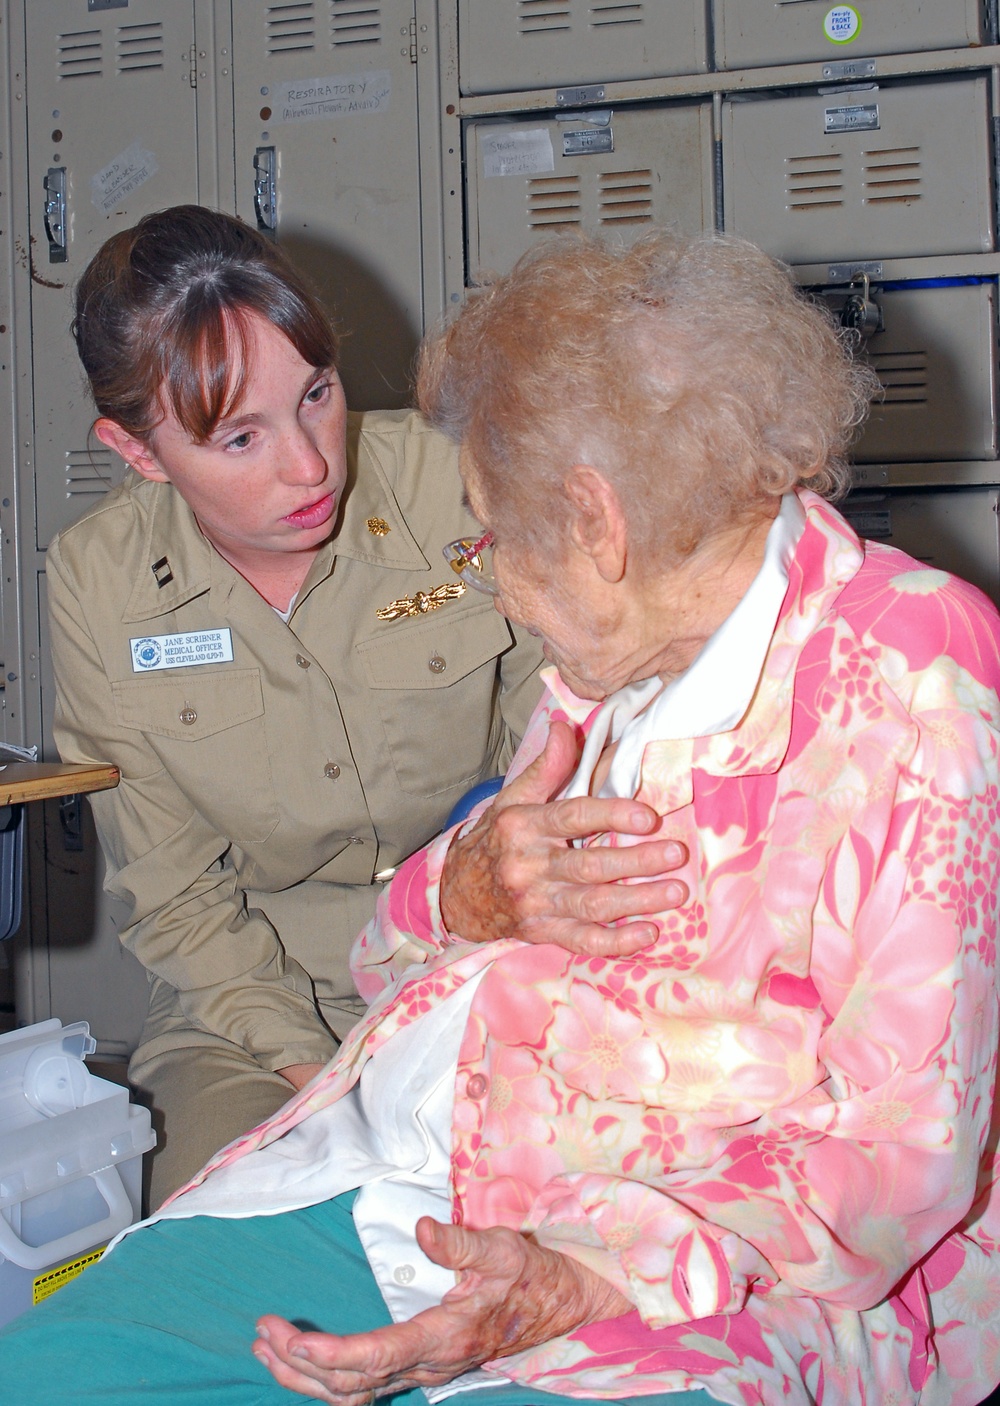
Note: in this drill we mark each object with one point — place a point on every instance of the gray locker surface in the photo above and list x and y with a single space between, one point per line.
326 91
952 529
809 194
511 45
936 359
523 186
112 107
751 33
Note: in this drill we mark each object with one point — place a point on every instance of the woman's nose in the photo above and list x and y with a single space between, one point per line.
303 461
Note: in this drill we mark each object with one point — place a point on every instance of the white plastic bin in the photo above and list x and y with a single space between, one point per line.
71 1148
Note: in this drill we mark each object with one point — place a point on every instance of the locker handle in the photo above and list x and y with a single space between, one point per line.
55 213
265 193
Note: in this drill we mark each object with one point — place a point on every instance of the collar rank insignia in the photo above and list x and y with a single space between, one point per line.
378 527
162 574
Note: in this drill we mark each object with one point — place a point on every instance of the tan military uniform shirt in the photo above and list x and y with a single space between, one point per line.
259 798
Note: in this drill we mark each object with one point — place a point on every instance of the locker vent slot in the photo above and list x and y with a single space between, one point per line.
88 474
140 47
616 12
814 182
553 202
626 197
355 22
542 16
291 29
80 54
893 174
903 376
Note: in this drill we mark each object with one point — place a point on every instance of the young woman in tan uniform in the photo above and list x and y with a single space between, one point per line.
258 628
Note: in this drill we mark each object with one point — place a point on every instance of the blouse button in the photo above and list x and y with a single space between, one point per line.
302 661
188 716
404 1274
477 1086
436 664
332 770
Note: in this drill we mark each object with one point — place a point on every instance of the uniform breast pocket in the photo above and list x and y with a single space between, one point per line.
208 729
436 685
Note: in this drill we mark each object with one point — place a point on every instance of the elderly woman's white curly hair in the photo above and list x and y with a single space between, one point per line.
691 372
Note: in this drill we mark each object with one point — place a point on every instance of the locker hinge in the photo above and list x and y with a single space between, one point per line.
413 39
193 66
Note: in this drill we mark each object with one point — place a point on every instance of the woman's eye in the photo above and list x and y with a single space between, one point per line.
316 394
240 441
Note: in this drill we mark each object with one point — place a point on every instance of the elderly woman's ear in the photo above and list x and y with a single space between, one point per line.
598 524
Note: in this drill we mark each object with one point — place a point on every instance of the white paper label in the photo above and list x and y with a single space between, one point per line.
121 177
517 153
344 95
842 24
151 652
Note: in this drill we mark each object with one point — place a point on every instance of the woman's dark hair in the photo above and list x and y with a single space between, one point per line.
163 318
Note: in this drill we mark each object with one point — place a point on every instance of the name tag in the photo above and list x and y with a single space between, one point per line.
181 651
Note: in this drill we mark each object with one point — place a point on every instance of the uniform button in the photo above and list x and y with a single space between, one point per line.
332 770
188 716
477 1086
404 1274
355 840
302 661
436 664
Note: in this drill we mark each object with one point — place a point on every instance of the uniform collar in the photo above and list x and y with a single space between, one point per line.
178 562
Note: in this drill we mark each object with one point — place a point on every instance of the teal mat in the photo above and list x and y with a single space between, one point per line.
171 1313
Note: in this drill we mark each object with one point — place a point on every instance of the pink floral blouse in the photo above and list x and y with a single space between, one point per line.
772 1129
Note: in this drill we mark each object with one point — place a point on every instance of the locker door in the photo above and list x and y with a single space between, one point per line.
620 178
112 134
327 156
861 173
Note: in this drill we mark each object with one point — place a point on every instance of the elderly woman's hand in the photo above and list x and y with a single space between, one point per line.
517 874
512 1294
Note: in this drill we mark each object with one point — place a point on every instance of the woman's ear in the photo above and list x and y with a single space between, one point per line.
137 453
599 528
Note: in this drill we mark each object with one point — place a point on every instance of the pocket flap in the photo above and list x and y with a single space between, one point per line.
434 652
189 706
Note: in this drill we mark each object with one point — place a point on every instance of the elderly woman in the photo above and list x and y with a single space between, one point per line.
753 1160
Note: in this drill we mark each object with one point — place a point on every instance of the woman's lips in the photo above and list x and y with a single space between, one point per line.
313 516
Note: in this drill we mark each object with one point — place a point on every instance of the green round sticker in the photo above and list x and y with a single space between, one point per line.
842 24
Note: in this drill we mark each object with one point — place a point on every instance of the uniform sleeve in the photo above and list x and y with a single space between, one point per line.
520 690
188 922
407 926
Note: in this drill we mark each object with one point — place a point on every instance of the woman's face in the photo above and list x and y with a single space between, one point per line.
270 478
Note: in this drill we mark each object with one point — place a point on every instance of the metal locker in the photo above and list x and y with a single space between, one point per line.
751 33
327 157
511 45
112 134
113 131
867 172
935 352
953 529
617 174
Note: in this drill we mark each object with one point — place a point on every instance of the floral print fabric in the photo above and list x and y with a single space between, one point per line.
771 1130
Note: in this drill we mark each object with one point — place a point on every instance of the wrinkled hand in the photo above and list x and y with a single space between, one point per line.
517 874
512 1294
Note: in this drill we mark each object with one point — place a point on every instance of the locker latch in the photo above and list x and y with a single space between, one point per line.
859 311
265 192
55 213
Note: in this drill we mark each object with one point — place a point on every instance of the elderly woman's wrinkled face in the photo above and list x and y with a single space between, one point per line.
558 598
